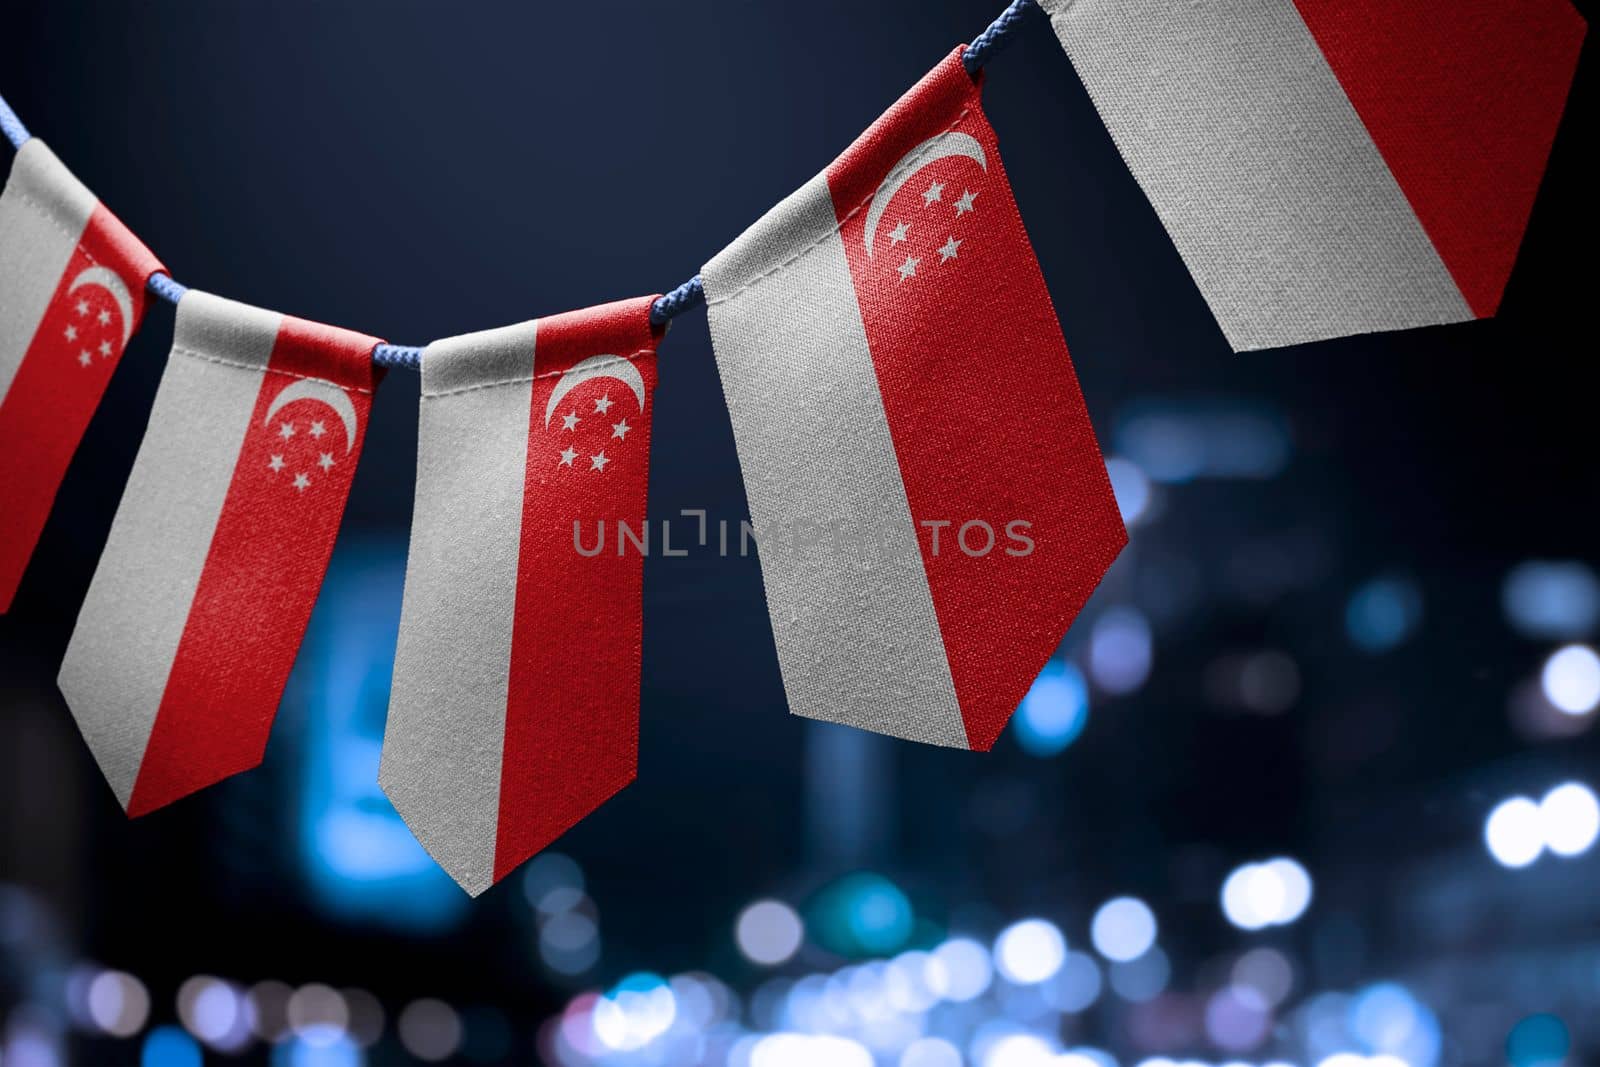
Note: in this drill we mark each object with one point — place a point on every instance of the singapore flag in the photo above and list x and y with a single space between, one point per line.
202 595
515 705
929 503
72 283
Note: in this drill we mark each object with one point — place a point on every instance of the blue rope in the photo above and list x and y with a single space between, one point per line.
15 131
991 40
689 295
165 287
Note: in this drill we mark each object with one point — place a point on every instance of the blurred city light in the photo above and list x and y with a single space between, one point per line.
861 915
169 1046
1571 679
806 1050
318 1014
965 969
930 1052
1538 1041
1566 821
1131 487
1274 893
769 932
429 1029
1030 951
1514 832
1569 817
1176 443
1123 929
1017 1050
1054 711
118 1003
1267 971
639 1009
1077 985
1383 613
1237 1018
1142 979
359 858
1552 600
1120 650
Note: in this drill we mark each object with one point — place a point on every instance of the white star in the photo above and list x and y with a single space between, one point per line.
286 430
317 429
326 462
83 307
301 482
105 348
620 429
104 318
570 421
964 203
72 333
567 456
908 269
948 252
83 357
598 463
898 234
276 463
603 405
935 192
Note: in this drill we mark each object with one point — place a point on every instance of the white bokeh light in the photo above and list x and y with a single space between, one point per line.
769 932
118 1003
1571 679
963 970
1569 817
1019 1050
1274 893
1123 929
930 1052
1514 832
1030 951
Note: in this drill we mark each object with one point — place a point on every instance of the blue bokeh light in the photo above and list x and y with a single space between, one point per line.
1383 613
168 1046
861 915
1538 1041
358 856
1054 712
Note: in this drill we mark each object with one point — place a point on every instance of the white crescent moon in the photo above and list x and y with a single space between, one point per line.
934 148
616 367
107 279
327 393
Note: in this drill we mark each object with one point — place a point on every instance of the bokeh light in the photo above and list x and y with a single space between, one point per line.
1571 679
118 1003
429 1029
1552 600
1120 650
1030 951
1569 817
1383 613
1054 711
769 932
966 972
1274 893
1123 929
1514 832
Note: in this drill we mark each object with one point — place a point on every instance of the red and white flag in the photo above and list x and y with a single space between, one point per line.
515 705
196 611
1332 167
71 294
930 506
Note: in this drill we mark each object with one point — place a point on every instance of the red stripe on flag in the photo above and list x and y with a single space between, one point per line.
988 422
572 714
62 376
1463 101
265 565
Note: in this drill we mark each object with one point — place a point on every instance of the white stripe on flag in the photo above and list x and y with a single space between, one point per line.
1236 127
42 215
114 676
445 736
857 637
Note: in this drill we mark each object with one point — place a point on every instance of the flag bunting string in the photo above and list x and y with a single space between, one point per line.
689 295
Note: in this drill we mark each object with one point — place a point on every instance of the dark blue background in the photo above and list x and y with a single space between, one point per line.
417 170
